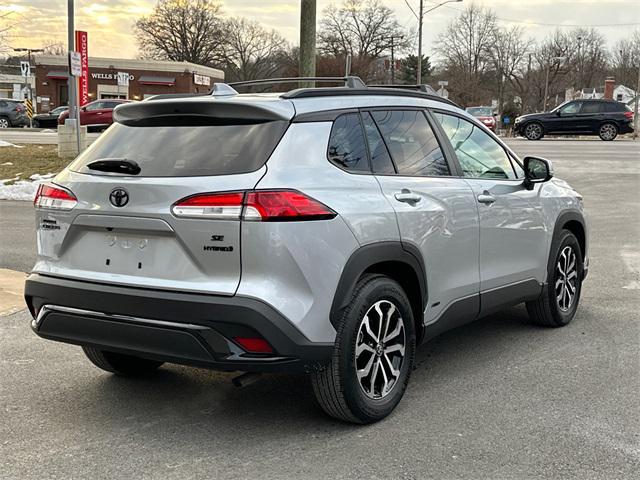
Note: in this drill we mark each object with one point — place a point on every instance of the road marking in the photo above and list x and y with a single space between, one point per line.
11 291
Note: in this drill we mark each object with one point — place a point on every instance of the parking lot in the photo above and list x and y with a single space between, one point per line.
497 399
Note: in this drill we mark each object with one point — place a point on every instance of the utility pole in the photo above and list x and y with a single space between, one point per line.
307 40
393 59
71 81
636 120
420 17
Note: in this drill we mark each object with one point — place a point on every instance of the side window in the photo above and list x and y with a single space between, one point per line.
592 107
412 144
570 108
479 155
95 106
380 160
347 147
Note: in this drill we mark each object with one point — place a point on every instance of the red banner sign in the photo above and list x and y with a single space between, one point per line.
82 46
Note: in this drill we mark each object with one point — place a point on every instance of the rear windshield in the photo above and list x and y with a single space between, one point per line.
480 111
186 151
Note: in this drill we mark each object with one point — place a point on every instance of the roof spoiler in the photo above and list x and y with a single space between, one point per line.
176 112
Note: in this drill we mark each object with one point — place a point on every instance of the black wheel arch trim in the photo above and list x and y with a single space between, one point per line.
369 255
563 218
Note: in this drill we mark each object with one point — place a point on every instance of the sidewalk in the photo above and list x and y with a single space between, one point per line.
11 291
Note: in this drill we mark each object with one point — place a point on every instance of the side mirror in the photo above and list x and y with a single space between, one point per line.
558 113
536 170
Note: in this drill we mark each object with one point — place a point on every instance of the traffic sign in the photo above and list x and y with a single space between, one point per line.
75 64
25 69
123 79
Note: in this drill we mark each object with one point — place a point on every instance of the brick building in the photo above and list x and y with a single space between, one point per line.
146 78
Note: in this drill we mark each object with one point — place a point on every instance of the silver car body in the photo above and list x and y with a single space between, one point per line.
469 249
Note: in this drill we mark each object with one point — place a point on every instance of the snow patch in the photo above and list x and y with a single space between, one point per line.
6 163
22 189
7 144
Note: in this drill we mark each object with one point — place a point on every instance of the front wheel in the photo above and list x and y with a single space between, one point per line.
533 131
118 363
558 303
373 354
608 132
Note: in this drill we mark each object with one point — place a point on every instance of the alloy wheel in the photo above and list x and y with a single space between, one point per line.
566 285
380 349
533 131
4 123
608 132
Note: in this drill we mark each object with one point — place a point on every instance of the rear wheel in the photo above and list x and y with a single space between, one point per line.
119 363
558 303
533 131
4 122
373 354
608 132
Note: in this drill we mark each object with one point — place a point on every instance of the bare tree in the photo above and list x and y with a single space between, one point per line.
365 29
6 24
509 54
465 50
54 47
182 30
250 51
625 60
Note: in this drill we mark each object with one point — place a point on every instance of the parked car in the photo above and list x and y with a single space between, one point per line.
49 119
485 115
13 113
96 115
605 118
322 230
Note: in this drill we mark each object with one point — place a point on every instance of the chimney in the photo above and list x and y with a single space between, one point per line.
609 85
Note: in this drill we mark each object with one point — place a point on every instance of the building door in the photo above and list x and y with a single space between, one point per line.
63 94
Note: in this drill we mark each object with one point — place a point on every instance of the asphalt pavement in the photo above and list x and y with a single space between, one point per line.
45 136
497 399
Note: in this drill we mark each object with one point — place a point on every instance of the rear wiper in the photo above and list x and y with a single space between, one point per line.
116 165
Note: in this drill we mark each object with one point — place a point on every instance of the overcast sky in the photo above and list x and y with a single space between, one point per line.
109 22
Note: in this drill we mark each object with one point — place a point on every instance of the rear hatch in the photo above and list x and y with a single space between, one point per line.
122 228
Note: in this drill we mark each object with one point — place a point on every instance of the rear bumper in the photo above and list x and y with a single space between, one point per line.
186 328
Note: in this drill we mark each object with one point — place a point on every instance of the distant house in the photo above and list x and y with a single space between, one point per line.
621 93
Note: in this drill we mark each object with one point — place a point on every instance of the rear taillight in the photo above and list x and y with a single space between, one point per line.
20 108
628 115
54 197
211 205
256 205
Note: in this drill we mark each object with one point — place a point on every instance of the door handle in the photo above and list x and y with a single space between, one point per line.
486 198
407 196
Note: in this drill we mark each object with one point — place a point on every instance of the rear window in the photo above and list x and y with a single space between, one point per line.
186 151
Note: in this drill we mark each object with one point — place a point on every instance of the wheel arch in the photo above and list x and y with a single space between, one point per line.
403 263
573 221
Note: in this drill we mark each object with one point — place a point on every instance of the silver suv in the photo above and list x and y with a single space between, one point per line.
322 230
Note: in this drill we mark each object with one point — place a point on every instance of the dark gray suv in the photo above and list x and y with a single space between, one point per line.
13 113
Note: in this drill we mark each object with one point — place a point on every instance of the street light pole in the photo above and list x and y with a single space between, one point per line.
420 16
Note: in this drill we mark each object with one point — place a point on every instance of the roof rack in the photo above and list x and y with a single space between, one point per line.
349 81
423 87
370 90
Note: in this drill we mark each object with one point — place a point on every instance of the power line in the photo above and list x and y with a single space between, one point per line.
543 24
411 8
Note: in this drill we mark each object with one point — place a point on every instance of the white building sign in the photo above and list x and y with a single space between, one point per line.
201 80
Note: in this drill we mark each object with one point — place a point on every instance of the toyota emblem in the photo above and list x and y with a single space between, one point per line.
119 197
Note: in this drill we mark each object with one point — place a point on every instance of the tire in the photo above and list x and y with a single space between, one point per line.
608 132
121 364
4 122
337 387
36 124
533 131
551 309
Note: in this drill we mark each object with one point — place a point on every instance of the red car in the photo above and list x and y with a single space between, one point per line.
485 115
96 115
